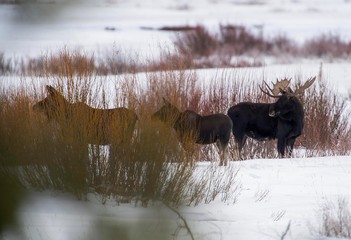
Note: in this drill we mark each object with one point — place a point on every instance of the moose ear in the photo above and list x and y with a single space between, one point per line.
165 101
50 89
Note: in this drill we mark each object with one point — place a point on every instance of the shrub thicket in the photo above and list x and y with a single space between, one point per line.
327 45
195 47
153 165
46 154
234 40
6 65
327 127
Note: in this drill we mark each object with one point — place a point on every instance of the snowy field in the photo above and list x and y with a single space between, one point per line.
276 196
33 29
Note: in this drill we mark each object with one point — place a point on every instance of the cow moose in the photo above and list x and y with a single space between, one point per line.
98 125
282 120
190 126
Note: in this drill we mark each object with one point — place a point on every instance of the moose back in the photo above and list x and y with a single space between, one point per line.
95 126
190 126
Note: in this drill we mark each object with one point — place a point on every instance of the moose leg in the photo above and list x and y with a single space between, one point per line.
239 142
189 150
222 146
290 145
283 131
281 144
224 141
240 139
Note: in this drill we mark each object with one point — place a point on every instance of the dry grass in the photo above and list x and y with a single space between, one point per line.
321 104
335 219
6 65
240 40
54 155
327 45
327 127
195 47
198 42
212 49
153 166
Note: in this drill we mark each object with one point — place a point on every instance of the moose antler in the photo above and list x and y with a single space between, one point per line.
307 84
266 92
280 87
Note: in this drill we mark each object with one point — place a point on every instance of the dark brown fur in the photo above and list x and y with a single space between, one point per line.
209 129
282 120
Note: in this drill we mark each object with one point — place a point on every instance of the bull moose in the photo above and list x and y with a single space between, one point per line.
98 126
215 128
282 120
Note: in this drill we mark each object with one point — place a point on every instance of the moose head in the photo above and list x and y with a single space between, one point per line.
287 98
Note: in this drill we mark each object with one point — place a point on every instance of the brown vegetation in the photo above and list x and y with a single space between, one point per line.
154 165
196 47
234 40
44 154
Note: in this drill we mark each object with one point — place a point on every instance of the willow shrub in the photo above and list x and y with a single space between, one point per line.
151 166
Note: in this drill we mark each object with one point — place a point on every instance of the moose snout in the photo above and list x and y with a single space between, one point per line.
273 113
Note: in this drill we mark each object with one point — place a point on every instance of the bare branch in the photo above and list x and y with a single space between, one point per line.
182 218
286 231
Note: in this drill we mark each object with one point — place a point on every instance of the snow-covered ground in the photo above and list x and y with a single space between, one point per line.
274 192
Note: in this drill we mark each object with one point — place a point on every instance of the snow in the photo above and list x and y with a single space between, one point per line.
37 28
273 192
